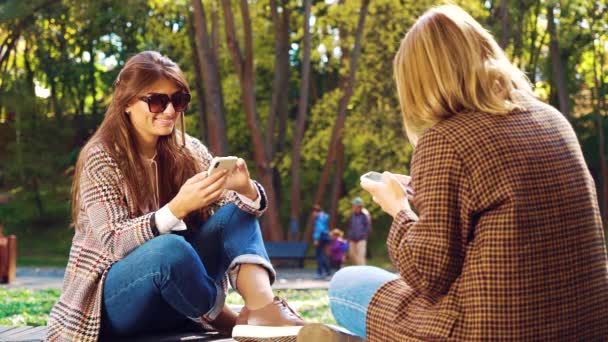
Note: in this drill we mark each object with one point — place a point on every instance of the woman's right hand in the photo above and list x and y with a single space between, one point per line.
197 192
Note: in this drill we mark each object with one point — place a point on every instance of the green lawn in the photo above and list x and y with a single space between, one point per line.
28 307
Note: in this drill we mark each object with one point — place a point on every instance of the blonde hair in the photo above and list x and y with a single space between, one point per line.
448 64
336 232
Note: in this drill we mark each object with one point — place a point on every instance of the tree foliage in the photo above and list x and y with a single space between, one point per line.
59 58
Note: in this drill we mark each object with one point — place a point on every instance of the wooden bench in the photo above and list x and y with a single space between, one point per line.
8 257
278 252
37 334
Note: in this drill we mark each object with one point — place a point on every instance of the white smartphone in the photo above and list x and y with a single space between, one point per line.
222 163
377 177
373 176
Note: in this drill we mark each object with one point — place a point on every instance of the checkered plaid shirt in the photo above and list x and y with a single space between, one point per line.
107 232
509 244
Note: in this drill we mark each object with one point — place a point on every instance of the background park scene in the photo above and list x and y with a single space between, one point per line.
301 89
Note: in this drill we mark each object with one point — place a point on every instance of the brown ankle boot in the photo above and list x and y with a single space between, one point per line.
224 322
276 322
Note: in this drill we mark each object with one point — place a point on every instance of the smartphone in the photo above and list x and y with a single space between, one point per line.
222 163
374 176
377 177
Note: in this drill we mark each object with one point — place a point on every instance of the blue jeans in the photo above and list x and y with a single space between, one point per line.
350 292
170 278
322 260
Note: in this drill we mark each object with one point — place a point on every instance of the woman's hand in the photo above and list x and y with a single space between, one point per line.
197 192
388 194
240 182
405 181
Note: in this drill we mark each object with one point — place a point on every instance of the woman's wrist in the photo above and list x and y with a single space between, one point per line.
177 210
251 192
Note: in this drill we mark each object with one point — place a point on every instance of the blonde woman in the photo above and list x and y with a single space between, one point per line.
156 238
507 243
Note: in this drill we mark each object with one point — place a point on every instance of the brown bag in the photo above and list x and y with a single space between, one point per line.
8 257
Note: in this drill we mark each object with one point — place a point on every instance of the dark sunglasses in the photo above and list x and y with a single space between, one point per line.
157 103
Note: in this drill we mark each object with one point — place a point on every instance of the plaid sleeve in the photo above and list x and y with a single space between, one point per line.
428 250
229 196
107 210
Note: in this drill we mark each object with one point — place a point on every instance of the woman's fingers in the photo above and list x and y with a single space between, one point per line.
371 186
214 196
209 187
240 164
214 178
197 178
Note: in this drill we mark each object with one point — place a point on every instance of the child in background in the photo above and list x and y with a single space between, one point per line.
337 249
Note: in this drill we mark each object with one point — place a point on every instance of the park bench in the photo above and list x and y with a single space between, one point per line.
8 257
36 334
280 253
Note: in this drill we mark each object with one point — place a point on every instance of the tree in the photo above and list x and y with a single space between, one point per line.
207 58
294 226
243 64
339 125
557 64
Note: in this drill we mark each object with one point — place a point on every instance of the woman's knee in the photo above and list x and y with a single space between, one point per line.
174 251
350 276
234 217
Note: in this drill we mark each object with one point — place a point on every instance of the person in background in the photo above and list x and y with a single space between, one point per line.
337 249
320 237
358 232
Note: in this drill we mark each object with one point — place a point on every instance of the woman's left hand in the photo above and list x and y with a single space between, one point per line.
388 194
239 181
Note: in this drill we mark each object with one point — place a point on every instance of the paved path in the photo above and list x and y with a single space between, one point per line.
37 278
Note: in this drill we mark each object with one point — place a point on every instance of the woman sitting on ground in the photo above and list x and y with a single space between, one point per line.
508 243
138 180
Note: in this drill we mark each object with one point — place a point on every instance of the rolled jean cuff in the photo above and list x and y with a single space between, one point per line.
217 308
233 269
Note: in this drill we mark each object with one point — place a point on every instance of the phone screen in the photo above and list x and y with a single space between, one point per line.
373 175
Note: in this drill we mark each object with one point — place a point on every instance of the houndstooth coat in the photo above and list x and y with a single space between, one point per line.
509 244
107 232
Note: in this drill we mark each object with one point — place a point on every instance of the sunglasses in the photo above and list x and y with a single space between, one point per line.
157 103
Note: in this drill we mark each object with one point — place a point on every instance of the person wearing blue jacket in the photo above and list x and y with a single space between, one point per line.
321 239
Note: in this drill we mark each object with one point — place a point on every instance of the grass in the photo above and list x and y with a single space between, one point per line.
26 307
31 307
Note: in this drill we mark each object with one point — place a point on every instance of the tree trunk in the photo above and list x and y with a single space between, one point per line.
294 221
244 68
503 13
92 84
200 95
280 82
337 187
600 106
214 101
339 125
518 37
37 197
557 64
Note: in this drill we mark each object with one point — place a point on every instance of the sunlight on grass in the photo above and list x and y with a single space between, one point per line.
30 307
26 307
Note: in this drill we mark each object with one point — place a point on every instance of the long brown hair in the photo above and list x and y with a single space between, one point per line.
116 136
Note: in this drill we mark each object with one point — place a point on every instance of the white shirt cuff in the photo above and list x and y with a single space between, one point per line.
247 201
166 221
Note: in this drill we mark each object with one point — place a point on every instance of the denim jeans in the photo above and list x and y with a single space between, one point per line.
322 260
350 292
170 278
